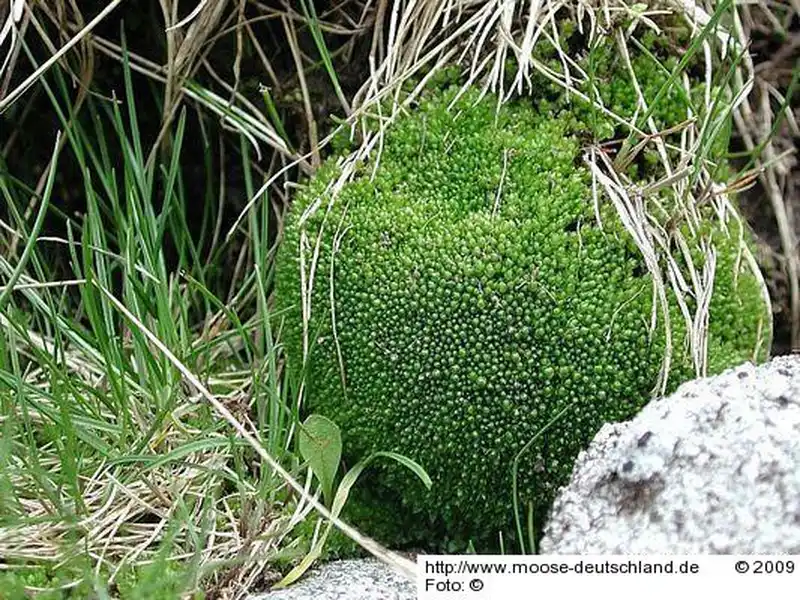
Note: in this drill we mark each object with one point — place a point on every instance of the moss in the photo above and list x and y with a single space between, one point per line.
475 299
76 579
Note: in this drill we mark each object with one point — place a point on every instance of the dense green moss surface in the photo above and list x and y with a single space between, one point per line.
467 306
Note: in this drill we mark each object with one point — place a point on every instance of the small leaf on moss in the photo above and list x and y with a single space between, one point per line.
321 447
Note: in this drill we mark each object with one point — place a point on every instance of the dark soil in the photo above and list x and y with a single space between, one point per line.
777 57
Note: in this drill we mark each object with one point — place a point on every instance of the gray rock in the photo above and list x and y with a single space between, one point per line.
363 579
712 469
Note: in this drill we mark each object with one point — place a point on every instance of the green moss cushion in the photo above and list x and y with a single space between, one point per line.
468 306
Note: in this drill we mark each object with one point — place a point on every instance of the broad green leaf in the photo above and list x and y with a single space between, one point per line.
342 493
321 447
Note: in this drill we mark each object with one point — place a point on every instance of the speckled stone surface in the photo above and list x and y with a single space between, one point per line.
363 579
712 469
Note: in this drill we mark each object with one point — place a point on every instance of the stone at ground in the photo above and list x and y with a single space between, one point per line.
361 579
712 469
